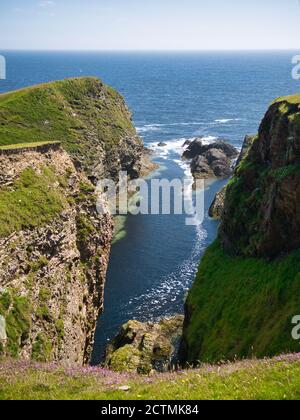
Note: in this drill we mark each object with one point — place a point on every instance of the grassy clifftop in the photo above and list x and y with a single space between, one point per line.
63 111
90 119
277 379
248 286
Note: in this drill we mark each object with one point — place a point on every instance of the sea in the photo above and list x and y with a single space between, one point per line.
174 97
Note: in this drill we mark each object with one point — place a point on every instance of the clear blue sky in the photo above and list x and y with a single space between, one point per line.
149 24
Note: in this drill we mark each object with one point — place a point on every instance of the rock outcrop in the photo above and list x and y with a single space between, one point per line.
261 216
217 207
247 290
145 347
209 160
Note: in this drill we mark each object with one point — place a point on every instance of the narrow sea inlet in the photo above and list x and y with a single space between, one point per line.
173 97
155 260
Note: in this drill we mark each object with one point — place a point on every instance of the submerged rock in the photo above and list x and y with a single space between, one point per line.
144 347
161 144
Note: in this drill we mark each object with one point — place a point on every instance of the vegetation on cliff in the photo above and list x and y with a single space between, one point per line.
248 286
33 200
63 111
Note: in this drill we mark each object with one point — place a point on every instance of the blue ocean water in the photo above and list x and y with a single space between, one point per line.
173 96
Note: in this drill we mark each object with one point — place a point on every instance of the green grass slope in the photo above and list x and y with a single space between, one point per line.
277 379
242 307
80 113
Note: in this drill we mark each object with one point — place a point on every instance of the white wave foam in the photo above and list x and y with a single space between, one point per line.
145 129
171 146
227 120
208 139
157 127
177 147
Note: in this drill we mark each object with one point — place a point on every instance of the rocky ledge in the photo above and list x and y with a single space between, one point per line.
210 160
145 347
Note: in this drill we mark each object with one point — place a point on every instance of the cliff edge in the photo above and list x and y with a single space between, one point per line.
247 288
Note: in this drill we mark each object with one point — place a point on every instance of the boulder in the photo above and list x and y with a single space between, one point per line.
201 168
216 154
209 160
194 149
187 143
221 169
200 147
145 347
161 144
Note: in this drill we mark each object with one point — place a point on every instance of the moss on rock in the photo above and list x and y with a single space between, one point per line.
144 347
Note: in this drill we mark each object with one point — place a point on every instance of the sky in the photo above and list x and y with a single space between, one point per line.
149 24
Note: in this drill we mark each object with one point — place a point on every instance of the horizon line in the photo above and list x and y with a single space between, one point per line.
150 50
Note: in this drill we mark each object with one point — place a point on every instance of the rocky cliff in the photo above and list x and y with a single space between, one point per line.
54 250
247 288
56 141
261 216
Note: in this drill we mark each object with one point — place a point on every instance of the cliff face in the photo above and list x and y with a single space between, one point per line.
56 141
261 216
247 290
54 250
